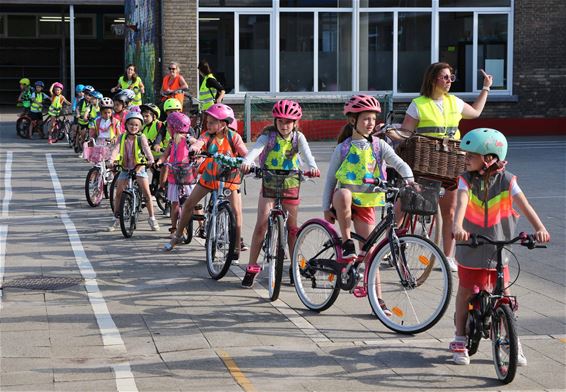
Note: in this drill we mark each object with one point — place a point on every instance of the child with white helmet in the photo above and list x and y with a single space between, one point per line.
106 128
485 182
131 151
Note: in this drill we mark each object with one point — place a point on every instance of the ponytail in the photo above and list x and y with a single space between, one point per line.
348 129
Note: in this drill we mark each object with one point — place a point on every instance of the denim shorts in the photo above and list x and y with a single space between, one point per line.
141 174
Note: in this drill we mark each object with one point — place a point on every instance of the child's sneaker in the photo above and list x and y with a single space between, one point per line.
251 272
521 358
153 224
171 244
236 258
243 246
459 353
115 225
348 250
384 307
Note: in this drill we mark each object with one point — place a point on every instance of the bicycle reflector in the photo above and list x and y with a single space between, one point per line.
397 311
424 260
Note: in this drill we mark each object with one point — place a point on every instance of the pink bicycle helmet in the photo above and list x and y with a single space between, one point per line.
233 125
57 84
178 122
362 103
285 108
221 112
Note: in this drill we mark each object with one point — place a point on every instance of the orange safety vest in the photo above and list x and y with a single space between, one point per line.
172 85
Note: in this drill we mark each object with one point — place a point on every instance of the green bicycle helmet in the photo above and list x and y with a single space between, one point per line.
151 107
485 141
172 104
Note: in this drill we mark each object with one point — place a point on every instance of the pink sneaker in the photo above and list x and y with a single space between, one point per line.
251 272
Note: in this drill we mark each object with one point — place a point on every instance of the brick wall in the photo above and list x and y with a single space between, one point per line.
180 39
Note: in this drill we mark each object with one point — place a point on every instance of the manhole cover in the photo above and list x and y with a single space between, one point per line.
42 283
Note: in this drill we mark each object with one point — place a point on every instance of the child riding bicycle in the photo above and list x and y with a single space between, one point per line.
24 98
278 147
486 193
57 103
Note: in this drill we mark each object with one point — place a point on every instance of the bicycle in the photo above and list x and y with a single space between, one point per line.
61 128
491 315
278 185
131 204
406 272
184 174
99 177
26 126
156 191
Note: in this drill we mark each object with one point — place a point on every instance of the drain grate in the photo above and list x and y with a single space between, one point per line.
42 283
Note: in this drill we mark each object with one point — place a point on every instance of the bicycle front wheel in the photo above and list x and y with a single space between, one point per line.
317 288
414 283
112 191
504 343
275 255
127 214
220 241
94 187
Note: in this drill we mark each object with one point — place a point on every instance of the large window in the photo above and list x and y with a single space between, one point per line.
362 45
22 26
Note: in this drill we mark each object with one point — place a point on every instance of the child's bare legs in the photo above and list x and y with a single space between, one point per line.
174 215
187 211
292 228
263 207
447 204
120 185
461 313
236 201
342 202
144 186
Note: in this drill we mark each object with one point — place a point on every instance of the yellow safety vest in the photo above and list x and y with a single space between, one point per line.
37 102
135 87
139 156
82 110
434 123
150 131
357 165
56 105
206 95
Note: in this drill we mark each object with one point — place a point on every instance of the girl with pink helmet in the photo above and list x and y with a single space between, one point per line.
218 138
57 103
278 147
178 125
358 155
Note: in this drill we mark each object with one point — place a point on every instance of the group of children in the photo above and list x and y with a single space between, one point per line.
138 137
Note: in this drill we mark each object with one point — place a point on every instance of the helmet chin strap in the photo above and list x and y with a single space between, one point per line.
500 166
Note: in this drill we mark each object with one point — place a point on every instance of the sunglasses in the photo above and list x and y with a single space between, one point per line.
172 68
448 78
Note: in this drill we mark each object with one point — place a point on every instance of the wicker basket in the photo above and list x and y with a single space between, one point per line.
437 158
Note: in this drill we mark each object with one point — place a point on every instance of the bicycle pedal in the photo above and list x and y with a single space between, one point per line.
360 292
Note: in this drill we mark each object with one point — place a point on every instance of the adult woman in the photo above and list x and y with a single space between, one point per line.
437 113
130 80
210 91
172 83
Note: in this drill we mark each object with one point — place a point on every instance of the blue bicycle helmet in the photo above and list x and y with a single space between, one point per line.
39 83
88 89
97 95
485 141
79 88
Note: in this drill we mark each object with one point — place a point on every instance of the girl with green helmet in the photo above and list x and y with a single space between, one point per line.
484 205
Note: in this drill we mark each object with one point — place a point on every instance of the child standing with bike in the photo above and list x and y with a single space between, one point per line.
177 152
485 197
218 139
36 107
132 152
57 102
278 147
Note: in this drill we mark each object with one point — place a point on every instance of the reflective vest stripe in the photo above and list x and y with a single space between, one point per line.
139 156
206 95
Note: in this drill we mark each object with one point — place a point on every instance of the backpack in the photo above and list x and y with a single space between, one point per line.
345 148
271 144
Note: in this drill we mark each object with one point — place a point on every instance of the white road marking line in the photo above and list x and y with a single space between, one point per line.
111 337
7 184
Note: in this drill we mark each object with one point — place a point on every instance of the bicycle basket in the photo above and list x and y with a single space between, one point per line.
422 201
280 184
97 154
185 173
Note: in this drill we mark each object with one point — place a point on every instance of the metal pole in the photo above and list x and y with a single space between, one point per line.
72 46
63 49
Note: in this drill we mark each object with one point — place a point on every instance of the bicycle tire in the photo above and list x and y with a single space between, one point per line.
112 191
22 127
94 185
188 232
504 345
61 130
415 309
161 199
317 289
127 214
220 241
275 256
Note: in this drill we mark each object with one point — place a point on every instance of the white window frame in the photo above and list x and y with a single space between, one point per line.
435 9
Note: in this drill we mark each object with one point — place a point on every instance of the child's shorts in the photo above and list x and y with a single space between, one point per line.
173 194
365 214
35 115
141 174
483 278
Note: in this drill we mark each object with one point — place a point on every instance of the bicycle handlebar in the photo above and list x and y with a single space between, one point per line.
527 240
259 171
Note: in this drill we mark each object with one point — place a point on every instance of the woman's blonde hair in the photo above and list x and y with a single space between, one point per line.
179 137
176 65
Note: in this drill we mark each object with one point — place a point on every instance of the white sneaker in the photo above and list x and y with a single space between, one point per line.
115 225
153 224
521 359
459 353
452 264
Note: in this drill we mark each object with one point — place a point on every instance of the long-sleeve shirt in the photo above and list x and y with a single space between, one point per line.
302 144
388 156
129 159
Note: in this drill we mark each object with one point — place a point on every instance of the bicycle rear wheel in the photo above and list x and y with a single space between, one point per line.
127 214
504 343
417 295
112 190
22 127
317 288
94 187
220 241
274 256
